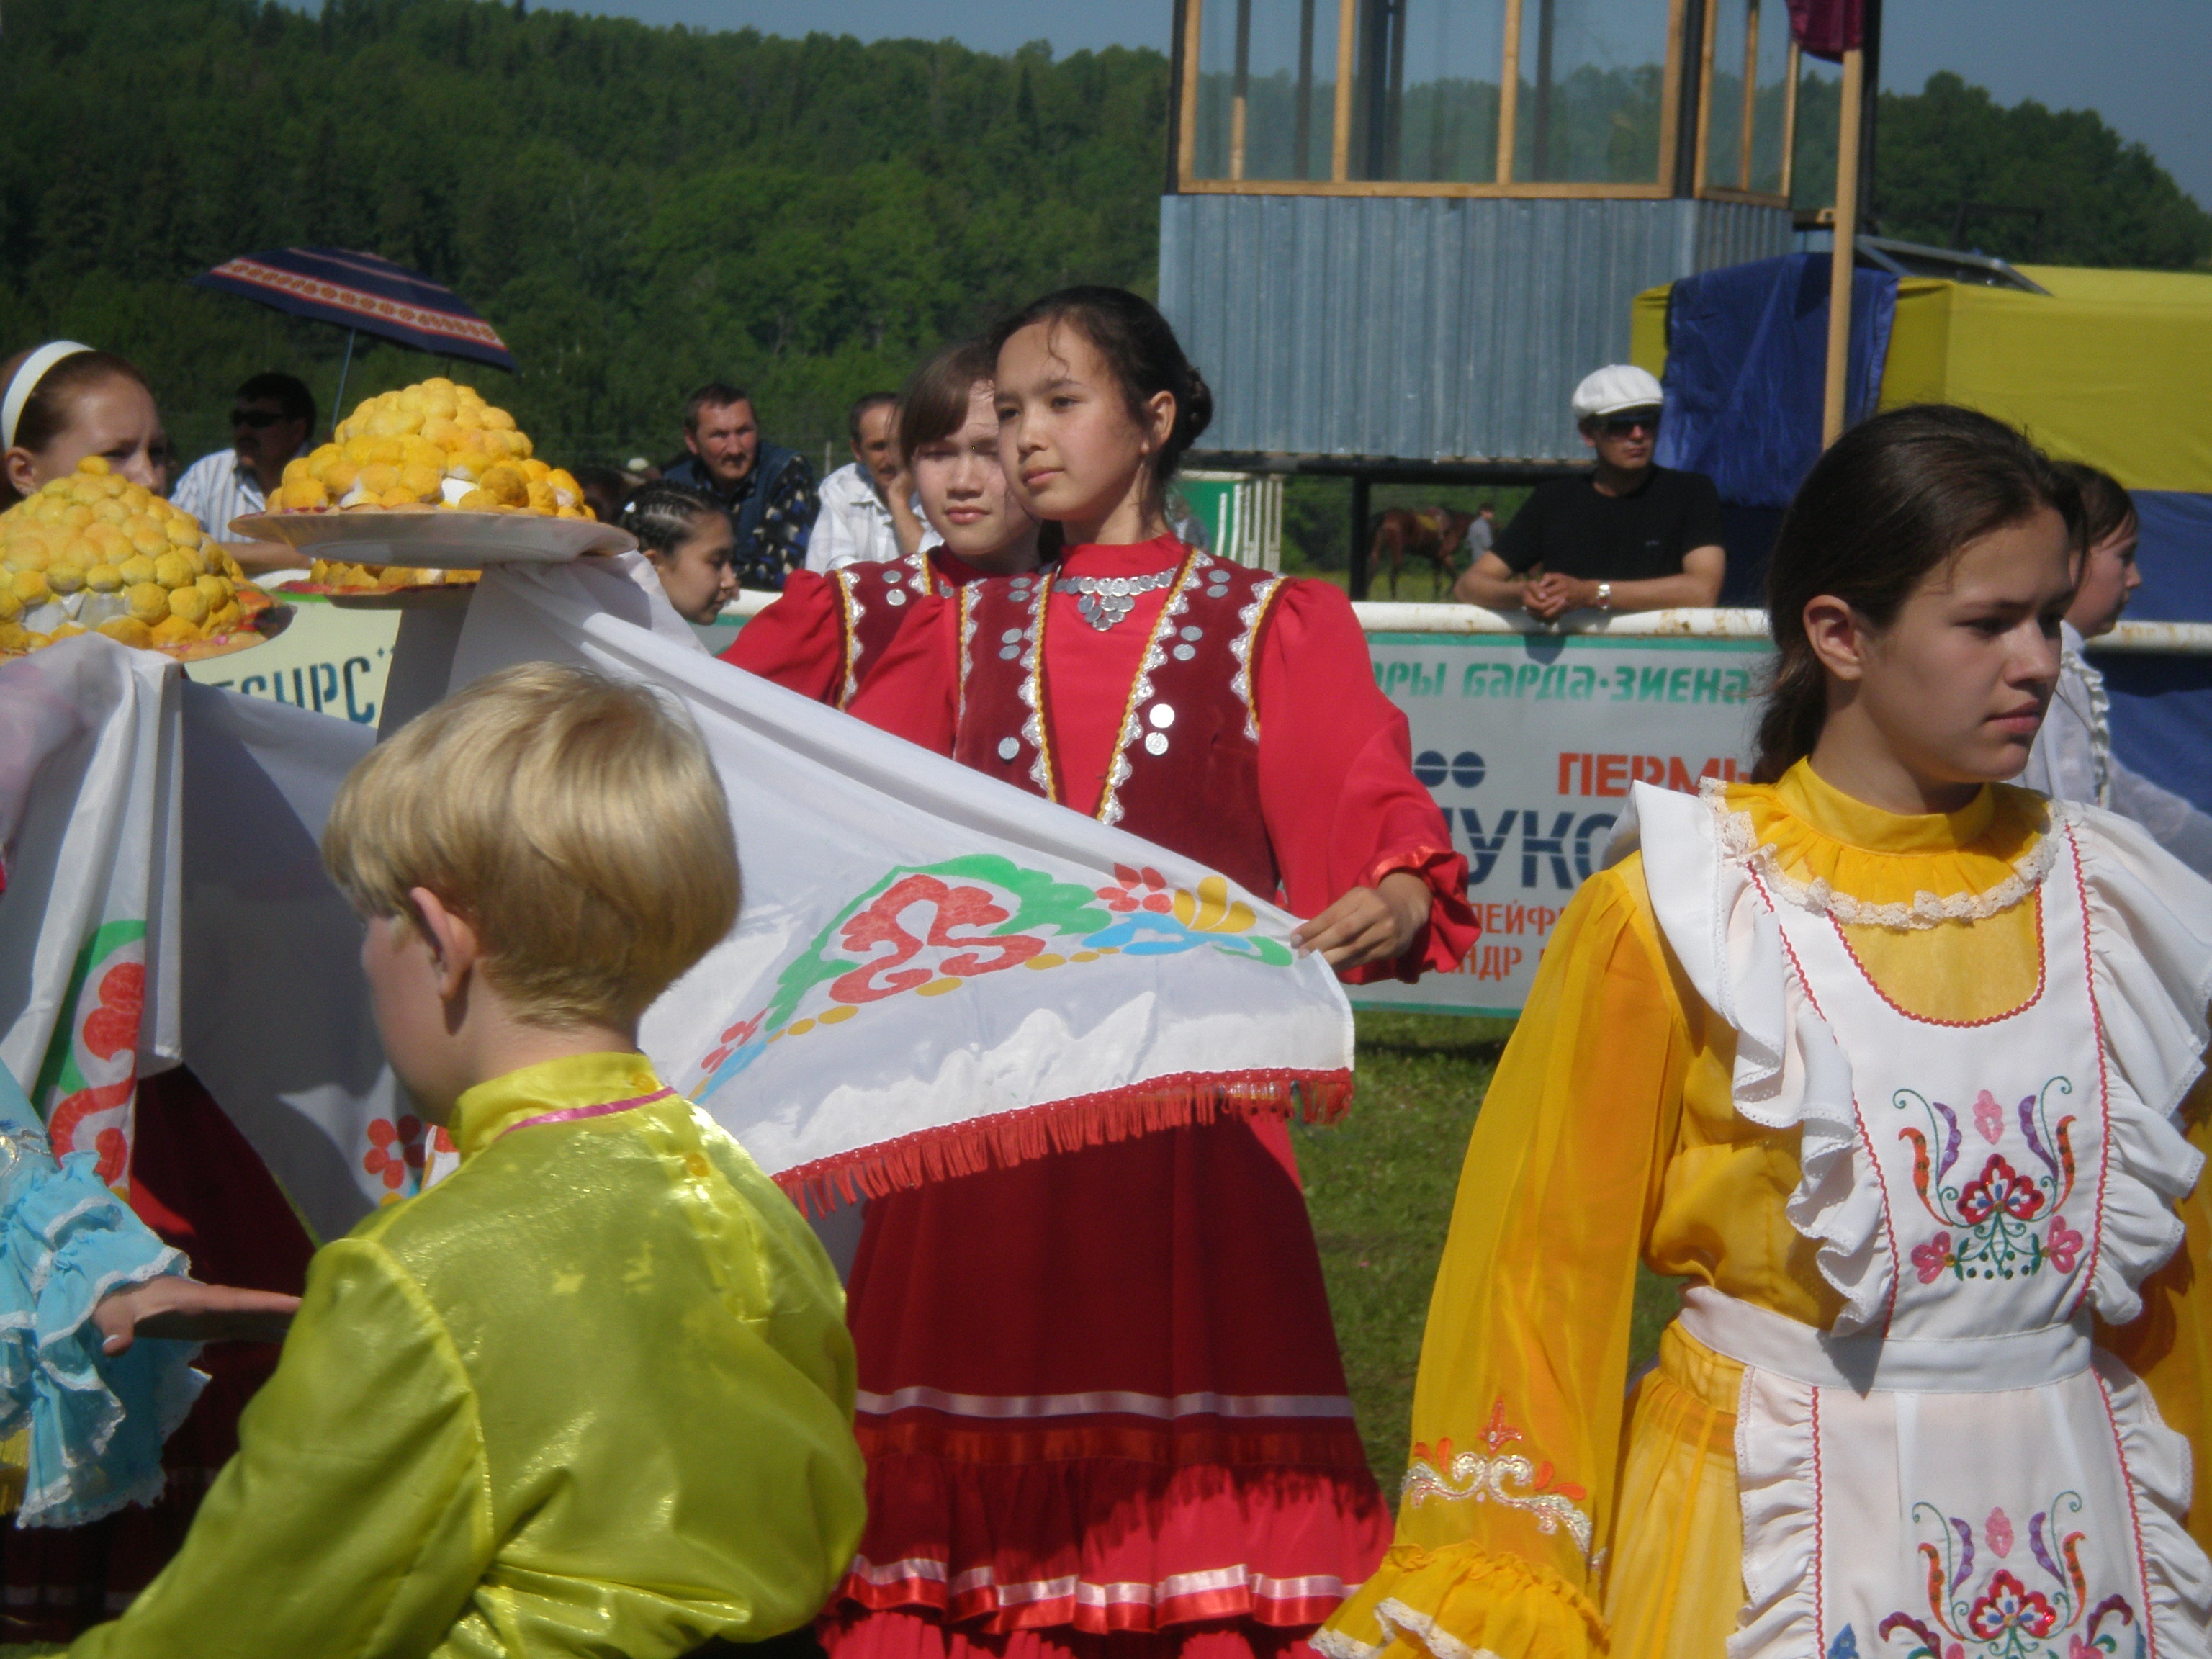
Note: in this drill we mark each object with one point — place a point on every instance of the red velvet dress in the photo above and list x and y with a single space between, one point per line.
825 634
1100 1393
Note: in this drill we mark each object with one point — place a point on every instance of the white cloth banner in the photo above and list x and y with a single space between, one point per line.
89 846
932 971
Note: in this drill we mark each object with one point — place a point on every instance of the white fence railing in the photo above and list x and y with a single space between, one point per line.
2176 639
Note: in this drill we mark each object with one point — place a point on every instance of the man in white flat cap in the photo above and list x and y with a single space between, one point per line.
1626 536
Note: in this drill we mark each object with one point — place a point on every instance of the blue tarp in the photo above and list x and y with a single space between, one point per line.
1747 354
2162 706
2175 556
1746 369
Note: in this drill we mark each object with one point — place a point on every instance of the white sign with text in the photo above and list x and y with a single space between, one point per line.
1530 743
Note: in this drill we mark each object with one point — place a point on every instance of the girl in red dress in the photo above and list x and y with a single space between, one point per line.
827 633
1100 1393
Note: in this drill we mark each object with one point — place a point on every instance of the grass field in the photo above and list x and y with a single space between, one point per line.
1379 1187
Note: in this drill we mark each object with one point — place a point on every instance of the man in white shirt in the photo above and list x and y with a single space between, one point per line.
867 514
271 419
2072 757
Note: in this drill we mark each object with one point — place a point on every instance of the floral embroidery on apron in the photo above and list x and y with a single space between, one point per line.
1962 1475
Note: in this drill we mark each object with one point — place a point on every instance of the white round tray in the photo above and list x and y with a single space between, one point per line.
436 540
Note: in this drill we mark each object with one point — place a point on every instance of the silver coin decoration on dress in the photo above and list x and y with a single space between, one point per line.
1193 634
896 596
1008 652
1102 601
1161 714
1185 652
1156 743
1009 747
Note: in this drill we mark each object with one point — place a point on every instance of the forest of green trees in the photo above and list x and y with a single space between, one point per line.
639 208
635 210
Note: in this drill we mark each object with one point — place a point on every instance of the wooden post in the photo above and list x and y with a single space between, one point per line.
1840 268
1239 89
1304 140
1340 142
1750 96
1508 93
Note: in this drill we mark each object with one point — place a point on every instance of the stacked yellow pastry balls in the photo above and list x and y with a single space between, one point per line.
94 551
436 445
336 575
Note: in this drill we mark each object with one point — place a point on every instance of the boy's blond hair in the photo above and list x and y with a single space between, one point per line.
574 820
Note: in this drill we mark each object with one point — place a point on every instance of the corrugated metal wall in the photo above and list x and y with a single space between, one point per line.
1422 328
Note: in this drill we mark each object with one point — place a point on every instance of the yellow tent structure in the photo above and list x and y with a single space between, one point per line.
2113 367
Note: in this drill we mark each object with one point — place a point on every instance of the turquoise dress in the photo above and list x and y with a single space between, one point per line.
95 1423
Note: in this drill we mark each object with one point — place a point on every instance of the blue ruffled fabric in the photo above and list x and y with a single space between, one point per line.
96 1423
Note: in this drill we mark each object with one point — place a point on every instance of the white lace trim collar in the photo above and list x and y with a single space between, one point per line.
1739 844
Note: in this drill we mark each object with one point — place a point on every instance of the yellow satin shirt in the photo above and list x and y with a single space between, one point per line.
1609 1135
592 1394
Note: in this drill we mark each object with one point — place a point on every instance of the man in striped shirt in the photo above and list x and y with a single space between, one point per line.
271 420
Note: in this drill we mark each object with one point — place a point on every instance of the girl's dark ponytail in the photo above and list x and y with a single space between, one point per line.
1894 498
1139 348
1789 722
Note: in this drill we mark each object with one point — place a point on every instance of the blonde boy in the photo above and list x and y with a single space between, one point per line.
593 1393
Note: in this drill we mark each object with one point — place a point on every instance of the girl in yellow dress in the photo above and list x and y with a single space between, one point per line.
1895 1066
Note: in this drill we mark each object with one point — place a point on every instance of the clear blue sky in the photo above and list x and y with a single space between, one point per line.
2141 63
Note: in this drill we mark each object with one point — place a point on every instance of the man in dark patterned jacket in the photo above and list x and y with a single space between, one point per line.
768 491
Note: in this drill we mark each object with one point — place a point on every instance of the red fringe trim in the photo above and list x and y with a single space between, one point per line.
1007 1139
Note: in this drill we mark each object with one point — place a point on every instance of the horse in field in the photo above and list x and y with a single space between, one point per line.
1430 535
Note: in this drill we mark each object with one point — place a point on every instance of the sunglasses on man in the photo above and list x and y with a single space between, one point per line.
257 419
1622 426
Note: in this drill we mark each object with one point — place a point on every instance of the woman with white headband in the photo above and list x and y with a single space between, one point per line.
61 401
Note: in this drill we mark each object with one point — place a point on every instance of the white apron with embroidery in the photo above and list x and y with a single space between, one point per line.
1954 1471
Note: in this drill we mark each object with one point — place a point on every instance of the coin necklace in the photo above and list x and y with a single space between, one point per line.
1103 601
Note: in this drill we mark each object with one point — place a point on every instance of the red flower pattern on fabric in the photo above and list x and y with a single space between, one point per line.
1999 1187
1139 890
2063 1244
2008 1605
1930 1260
394 1149
953 906
113 1026
734 1038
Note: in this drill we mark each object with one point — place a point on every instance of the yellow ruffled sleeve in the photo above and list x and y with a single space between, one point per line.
2169 1344
1518 1411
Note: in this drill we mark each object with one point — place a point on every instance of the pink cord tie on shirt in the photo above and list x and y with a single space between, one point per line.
570 1114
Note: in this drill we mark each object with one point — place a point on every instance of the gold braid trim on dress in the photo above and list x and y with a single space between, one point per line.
1739 844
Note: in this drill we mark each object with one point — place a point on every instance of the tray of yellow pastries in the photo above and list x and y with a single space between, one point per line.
92 552
424 486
